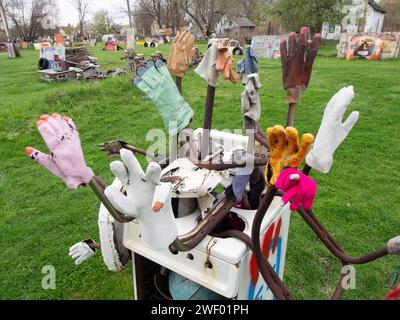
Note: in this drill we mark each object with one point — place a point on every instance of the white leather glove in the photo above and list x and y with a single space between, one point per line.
81 252
207 68
147 199
333 131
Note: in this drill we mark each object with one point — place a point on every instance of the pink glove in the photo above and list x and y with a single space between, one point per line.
298 188
66 160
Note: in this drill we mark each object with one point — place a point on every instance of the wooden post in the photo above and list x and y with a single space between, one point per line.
208 113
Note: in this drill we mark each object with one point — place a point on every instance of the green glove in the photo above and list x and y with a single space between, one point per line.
157 83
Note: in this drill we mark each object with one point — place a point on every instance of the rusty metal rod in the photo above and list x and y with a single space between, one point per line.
291 114
309 217
98 186
178 82
249 242
337 295
262 262
207 124
192 239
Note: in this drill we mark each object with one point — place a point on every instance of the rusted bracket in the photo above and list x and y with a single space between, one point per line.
192 239
98 186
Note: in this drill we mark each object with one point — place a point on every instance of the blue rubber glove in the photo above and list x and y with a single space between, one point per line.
248 65
157 83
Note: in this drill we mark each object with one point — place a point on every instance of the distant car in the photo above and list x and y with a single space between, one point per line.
106 37
234 46
3 46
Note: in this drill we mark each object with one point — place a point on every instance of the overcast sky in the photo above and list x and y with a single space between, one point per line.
68 14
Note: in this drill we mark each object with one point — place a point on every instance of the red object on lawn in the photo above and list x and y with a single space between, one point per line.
394 294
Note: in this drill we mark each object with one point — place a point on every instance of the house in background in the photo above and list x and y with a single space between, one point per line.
240 29
362 16
374 18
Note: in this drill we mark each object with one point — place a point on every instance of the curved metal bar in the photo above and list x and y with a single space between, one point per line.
192 239
265 268
309 217
269 271
98 186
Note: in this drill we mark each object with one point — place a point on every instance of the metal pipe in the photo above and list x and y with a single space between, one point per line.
309 217
262 262
98 187
178 82
249 242
207 124
211 221
291 114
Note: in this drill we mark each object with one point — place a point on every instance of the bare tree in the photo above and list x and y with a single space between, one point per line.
206 14
30 17
82 6
153 8
392 18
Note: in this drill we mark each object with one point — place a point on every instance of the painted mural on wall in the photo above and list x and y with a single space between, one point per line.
266 47
369 46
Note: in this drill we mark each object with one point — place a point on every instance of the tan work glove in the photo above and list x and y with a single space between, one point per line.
286 151
225 65
181 54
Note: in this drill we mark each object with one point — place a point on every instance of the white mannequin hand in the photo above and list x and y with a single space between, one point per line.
333 131
146 199
81 252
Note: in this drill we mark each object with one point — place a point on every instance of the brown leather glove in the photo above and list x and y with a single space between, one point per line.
286 151
297 62
225 65
181 54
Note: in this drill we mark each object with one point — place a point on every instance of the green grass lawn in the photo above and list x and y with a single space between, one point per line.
40 219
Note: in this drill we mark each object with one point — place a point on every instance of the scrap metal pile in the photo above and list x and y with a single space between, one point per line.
216 243
79 60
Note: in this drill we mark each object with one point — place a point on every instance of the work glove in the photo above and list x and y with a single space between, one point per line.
332 131
146 199
248 65
297 61
66 160
299 189
81 252
225 65
157 83
207 67
251 107
181 54
286 151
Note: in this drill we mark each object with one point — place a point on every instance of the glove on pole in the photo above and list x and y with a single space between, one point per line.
298 188
146 199
181 54
225 65
158 84
251 107
81 251
286 151
297 61
66 160
207 68
333 131
248 65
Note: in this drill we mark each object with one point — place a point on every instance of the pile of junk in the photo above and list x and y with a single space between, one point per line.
58 63
210 220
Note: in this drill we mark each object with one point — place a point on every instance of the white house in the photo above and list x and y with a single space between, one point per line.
359 11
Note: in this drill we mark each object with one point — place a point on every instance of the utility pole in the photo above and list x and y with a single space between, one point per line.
8 33
5 24
129 13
